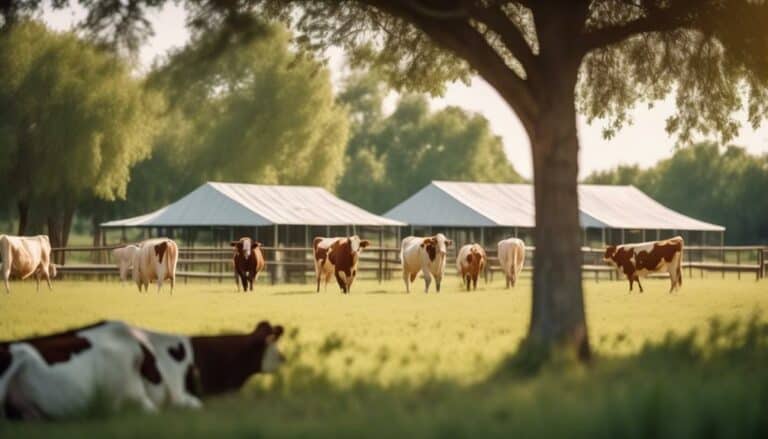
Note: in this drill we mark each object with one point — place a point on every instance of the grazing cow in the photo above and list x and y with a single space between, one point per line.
636 260
337 256
425 254
155 261
470 262
123 257
62 375
511 258
248 262
23 256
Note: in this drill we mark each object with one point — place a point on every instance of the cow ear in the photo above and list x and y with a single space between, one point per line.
263 329
234 243
448 242
365 243
257 243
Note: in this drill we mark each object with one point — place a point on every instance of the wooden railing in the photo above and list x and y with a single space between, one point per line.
295 264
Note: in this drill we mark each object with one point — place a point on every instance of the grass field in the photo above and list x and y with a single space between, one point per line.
381 363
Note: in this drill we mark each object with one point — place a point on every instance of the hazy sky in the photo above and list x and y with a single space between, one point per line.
644 143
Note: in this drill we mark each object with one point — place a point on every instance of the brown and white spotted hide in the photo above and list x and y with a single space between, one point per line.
61 375
425 254
635 260
155 261
248 261
23 256
470 262
339 257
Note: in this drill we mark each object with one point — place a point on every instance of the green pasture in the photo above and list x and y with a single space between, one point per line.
380 362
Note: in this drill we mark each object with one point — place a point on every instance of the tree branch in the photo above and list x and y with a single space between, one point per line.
498 21
458 36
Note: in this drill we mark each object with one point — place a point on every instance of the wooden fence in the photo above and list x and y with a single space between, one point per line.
295 264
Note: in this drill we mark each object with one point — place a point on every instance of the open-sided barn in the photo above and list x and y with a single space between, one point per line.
487 212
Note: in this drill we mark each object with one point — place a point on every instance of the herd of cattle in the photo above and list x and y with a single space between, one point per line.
155 260
131 365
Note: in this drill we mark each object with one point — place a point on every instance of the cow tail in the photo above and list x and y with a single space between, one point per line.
171 259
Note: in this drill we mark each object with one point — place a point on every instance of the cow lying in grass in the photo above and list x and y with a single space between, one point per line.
60 375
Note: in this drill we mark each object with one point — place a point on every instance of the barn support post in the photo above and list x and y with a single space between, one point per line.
602 235
274 273
515 231
658 234
346 229
123 237
307 254
482 237
327 231
622 237
643 235
380 273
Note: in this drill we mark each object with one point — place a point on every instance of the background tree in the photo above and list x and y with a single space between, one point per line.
723 186
69 110
392 157
543 58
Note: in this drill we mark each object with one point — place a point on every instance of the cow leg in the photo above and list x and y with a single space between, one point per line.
637 278
318 283
244 282
468 280
474 283
7 274
237 281
438 281
427 280
250 281
341 283
631 283
508 280
406 275
37 279
48 281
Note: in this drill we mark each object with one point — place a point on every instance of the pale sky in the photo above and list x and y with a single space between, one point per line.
644 142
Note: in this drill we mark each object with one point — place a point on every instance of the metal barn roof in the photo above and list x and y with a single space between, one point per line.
462 204
237 204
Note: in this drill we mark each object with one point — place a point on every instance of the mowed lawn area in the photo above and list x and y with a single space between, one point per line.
380 362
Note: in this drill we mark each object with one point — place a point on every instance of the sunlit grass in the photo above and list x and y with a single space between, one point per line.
410 364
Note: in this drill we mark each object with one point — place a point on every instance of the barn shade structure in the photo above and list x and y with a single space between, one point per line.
488 212
275 215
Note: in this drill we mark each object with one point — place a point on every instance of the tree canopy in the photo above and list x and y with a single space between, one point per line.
73 121
392 157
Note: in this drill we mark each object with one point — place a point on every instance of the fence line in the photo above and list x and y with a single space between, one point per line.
295 264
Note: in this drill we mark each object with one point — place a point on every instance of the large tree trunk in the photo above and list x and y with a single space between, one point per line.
557 318
59 224
23 207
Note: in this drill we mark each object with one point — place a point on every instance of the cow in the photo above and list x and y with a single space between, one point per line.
123 257
248 262
155 261
635 260
470 261
23 256
511 258
338 256
61 375
427 254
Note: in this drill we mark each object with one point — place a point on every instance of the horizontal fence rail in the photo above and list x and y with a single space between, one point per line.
296 264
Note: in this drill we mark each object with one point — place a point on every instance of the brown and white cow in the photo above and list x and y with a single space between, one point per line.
635 260
427 254
470 262
23 256
123 257
338 256
248 262
61 375
155 261
511 258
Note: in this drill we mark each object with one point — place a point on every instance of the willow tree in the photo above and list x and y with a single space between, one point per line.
547 59
73 121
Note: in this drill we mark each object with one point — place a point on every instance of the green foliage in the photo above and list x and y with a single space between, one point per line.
251 110
73 119
724 186
392 157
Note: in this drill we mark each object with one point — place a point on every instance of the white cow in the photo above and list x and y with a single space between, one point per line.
61 375
511 258
23 256
124 259
425 254
155 261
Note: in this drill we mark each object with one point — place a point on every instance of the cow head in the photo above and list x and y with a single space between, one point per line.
475 258
441 243
269 359
244 246
356 245
610 251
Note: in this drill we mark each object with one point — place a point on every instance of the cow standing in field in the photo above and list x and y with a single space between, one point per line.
248 262
635 260
155 261
470 262
425 254
61 375
511 258
338 256
123 257
23 256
